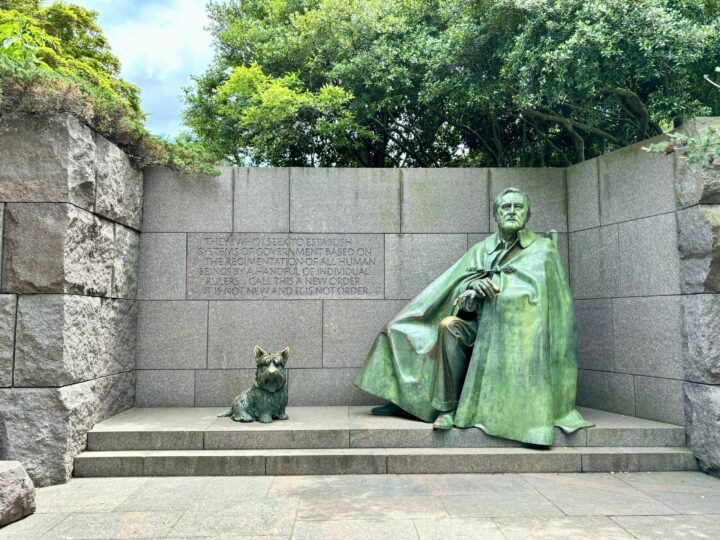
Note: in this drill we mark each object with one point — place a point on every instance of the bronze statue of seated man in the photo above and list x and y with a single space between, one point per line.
491 343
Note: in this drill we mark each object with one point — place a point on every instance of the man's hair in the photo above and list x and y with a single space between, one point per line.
498 199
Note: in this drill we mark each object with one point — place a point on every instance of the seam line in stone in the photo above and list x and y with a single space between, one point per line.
80 208
632 375
17 312
401 194
605 225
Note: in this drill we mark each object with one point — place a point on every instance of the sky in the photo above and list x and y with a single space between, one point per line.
160 43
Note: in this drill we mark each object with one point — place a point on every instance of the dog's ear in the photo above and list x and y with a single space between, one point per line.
259 353
284 354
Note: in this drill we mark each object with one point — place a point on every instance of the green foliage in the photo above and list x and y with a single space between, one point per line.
55 59
282 121
450 82
702 149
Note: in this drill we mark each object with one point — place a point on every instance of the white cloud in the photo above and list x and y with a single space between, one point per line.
160 44
163 41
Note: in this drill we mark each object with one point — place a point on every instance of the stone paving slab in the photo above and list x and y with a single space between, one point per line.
188 428
424 507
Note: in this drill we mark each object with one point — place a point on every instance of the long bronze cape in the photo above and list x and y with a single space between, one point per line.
522 376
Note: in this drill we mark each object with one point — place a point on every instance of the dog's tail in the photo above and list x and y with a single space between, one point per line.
225 413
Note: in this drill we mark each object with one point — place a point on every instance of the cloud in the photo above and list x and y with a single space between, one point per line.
160 44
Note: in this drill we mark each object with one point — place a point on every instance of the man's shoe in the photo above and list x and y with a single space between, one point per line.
444 421
386 410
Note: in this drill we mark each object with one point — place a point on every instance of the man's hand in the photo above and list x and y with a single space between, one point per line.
467 301
484 288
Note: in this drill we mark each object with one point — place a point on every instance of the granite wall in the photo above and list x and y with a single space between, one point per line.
70 208
384 233
644 247
640 235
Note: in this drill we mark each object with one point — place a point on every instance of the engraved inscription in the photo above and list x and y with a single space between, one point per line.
246 266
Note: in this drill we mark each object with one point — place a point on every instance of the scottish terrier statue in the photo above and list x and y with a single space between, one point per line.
266 400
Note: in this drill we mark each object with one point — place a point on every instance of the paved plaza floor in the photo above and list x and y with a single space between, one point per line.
607 506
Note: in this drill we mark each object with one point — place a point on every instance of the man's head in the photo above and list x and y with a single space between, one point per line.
512 210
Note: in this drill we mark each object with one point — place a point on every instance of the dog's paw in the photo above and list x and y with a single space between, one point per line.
282 416
265 419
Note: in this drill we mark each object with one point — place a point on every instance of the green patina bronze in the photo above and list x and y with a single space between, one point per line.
491 343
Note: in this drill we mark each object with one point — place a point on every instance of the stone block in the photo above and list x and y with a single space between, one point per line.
546 189
338 200
161 268
659 399
8 309
235 328
594 262
662 435
262 200
413 261
481 460
699 246
147 440
702 414
119 189
165 388
583 186
118 331
172 335
607 391
350 328
108 464
47 159
126 253
647 338
192 463
649 263
637 460
700 331
177 202
442 200
67 339
272 438
697 183
56 248
635 184
326 387
17 492
326 462
595 334
218 387
45 428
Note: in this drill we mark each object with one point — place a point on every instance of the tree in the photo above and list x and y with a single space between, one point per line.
55 59
452 82
65 38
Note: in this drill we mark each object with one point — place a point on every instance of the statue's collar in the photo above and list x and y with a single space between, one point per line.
525 237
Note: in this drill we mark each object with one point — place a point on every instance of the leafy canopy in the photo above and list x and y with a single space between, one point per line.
449 82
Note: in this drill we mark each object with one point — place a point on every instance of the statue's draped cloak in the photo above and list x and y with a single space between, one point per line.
522 375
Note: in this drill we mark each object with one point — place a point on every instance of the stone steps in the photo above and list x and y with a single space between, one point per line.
349 440
381 461
343 427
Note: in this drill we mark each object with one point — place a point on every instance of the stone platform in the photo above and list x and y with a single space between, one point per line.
349 440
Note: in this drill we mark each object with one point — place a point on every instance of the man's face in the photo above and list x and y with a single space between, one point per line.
512 214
